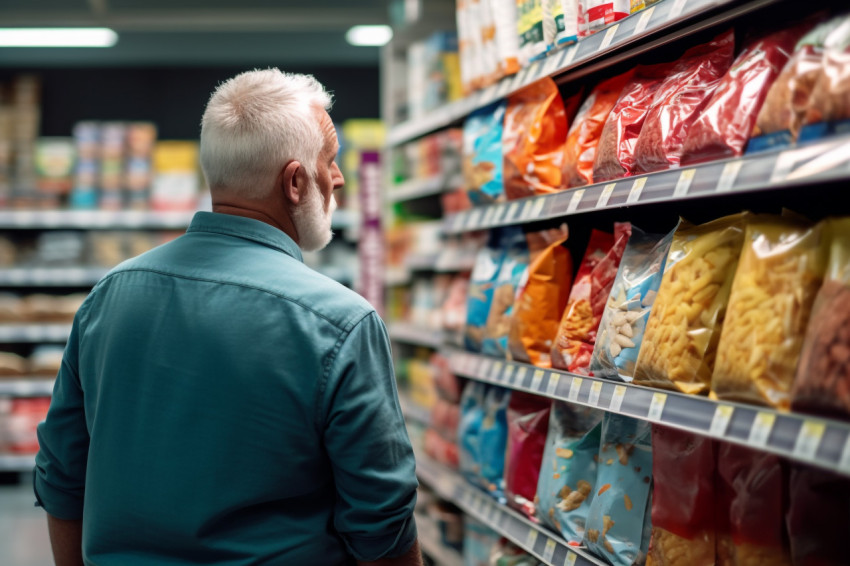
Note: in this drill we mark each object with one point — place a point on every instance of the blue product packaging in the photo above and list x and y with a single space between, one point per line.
482 154
512 269
480 294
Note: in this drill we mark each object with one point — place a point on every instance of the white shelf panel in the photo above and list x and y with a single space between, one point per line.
27 387
51 276
820 442
16 463
420 188
86 219
20 333
412 334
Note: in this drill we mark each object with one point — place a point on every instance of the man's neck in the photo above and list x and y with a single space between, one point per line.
283 224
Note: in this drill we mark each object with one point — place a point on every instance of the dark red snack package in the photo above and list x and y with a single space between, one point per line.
818 517
528 424
679 101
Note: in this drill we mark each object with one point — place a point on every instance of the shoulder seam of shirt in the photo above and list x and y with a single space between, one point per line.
280 246
232 284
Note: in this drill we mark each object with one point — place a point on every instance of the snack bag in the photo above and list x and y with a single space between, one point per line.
512 269
829 108
486 26
469 49
627 310
568 32
528 422
541 297
726 122
619 10
553 22
481 284
507 41
482 154
680 342
533 143
615 152
482 435
779 273
822 385
682 498
751 500
530 30
618 521
818 515
576 336
678 102
568 470
591 15
636 6
583 136
781 116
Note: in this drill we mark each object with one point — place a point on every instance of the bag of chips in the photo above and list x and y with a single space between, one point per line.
528 422
482 154
530 30
507 41
829 108
818 515
569 468
482 435
568 33
576 335
680 342
512 268
618 521
468 48
779 273
591 16
541 297
481 284
486 27
586 128
533 143
726 122
679 101
682 498
629 305
615 153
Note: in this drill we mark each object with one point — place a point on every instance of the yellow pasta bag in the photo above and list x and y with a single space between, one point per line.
780 271
683 330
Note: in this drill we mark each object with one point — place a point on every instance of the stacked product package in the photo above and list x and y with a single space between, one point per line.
20 121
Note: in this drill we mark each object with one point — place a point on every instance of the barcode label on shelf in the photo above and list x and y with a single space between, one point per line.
609 37
484 368
617 398
644 20
519 376
809 439
595 390
575 387
636 190
676 10
549 550
762 425
512 210
551 64
496 370
569 55
538 208
531 538
509 374
844 463
537 379
571 559
504 87
488 216
720 420
554 378
605 195
656 406
575 200
728 176
683 185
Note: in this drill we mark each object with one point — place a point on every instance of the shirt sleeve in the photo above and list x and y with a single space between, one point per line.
63 440
368 446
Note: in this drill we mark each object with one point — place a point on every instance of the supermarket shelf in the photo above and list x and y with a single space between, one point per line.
19 333
27 387
444 262
821 442
827 160
419 188
429 539
412 334
535 539
345 219
85 219
627 33
51 276
16 463
421 262
412 411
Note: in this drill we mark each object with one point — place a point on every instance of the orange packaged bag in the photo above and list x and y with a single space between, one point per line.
586 129
535 129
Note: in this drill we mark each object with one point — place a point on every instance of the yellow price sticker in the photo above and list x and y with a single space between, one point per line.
575 387
808 441
595 391
762 426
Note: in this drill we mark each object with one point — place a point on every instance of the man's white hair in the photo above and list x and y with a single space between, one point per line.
254 124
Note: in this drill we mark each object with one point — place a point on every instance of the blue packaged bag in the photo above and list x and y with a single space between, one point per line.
480 294
513 267
482 154
483 436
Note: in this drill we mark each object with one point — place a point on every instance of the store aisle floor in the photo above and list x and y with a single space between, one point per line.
23 527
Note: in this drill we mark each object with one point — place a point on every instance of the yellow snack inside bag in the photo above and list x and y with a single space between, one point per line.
680 342
780 271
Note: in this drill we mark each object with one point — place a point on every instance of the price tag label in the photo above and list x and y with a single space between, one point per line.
595 390
575 387
527 210
762 425
509 374
809 439
531 538
683 185
617 398
537 210
644 20
785 161
512 210
492 513
844 463
605 195
551 64
549 550
537 379
728 176
676 10
569 56
609 37
656 407
720 420
484 368
575 200
636 190
519 376
496 371
474 219
554 379
488 216
571 559
504 87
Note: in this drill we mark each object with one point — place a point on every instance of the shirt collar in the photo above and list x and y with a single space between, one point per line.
246 228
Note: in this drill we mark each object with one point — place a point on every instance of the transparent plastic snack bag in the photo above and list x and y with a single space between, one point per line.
829 108
512 269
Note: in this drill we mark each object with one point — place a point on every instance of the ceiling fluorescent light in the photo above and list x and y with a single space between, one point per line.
369 35
57 37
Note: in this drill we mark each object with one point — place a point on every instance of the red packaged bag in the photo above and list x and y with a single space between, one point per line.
818 516
679 100
724 127
583 137
528 423
440 449
573 344
682 498
615 154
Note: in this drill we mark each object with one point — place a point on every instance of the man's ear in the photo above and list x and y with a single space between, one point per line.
291 179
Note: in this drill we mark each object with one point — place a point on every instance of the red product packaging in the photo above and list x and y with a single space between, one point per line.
22 417
615 154
583 137
441 449
679 100
682 498
725 125
818 515
528 424
573 344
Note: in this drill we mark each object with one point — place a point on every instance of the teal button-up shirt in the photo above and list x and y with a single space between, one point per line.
220 402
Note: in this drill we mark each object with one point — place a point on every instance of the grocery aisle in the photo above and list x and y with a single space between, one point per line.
23 527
